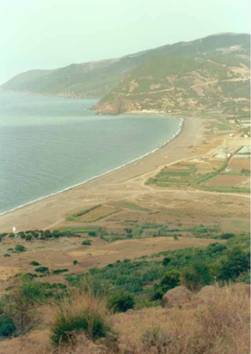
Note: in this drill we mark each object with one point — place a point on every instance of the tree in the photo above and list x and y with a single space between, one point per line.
196 276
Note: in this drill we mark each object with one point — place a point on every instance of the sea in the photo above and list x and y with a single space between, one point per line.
49 144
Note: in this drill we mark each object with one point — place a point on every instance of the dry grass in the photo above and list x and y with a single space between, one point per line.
216 321
216 324
80 313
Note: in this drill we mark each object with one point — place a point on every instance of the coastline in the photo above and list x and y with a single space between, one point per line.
180 127
48 210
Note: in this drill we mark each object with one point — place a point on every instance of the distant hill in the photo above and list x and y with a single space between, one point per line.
211 73
92 79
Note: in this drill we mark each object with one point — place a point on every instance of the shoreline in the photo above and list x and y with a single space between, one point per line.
117 184
141 157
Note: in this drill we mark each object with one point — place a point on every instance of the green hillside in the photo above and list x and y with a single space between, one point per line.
92 79
211 73
206 74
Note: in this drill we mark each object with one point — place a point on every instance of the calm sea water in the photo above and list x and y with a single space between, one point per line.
50 143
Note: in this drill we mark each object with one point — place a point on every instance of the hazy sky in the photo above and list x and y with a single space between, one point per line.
51 33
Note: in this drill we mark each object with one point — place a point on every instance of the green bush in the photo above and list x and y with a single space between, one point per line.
87 242
20 248
216 248
83 314
120 301
75 262
170 280
42 269
196 276
60 271
34 263
166 261
7 326
226 236
233 265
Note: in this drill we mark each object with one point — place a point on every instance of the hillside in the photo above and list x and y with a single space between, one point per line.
92 79
211 73
206 74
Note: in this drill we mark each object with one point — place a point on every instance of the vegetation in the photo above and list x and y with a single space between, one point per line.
34 263
148 278
42 269
190 174
196 276
7 326
170 280
60 270
235 263
120 301
80 314
219 324
86 242
82 212
20 248
181 70
37 235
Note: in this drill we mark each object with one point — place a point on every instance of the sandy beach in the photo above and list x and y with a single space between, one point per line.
126 182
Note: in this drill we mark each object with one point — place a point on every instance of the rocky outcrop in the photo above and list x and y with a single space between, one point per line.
117 105
178 296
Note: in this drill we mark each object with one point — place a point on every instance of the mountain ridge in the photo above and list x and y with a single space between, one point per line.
205 73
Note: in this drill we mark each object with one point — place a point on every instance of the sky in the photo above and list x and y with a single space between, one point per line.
53 33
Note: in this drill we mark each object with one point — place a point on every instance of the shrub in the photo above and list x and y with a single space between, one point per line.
215 248
170 280
196 276
60 270
7 326
226 235
87 242
42 269
233 265
80 314
166 261
121 301
34 263
32 291
75 262
18 307
20 248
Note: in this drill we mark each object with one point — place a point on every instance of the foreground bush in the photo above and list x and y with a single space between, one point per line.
7 326
121 301
80 314
18 307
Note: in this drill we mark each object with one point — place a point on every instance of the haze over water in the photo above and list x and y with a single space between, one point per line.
48 144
